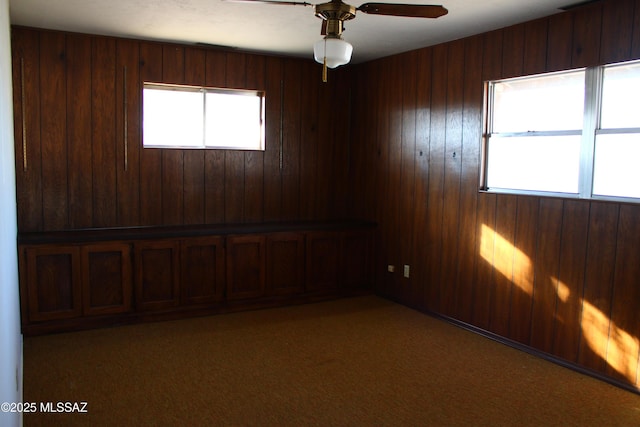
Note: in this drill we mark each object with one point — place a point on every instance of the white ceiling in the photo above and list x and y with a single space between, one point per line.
287 30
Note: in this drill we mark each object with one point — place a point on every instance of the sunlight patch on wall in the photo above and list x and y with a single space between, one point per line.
510 261
622 349
563 291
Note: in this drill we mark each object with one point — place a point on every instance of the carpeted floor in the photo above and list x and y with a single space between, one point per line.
360 361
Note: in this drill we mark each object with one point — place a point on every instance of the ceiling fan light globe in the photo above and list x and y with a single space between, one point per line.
338 52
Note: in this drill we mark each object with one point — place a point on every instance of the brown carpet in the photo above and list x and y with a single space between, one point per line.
360 361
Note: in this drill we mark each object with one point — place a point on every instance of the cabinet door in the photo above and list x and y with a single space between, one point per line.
157 274
357 258
53 282
323 260
245 266
285 263
203 275
106 278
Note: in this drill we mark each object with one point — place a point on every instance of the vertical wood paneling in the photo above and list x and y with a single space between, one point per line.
535 46
595 321
504 253
53 131
236 77
436 173
324 152
623 346
309 147
513 51
394 173
128 132
559 42
587 26
254 160
340 95
360 170
545 286
291 140
26 86
214 163
421 177
486 225
193 170
525 265
524 260
470 153
103 122
617 31
79 138
408 169
150 159
172 160
575 226
272 154
452 175
382 185
486 213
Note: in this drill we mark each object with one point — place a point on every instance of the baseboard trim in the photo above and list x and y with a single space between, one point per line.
534 352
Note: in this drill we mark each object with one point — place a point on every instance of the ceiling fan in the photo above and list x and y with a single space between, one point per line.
332 51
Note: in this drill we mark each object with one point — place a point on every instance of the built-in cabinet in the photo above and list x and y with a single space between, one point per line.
68 281
157 274
51 279
285 263
79 280
202 270
106 278
245 266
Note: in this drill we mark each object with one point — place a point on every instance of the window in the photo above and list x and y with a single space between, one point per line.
198 117
574 133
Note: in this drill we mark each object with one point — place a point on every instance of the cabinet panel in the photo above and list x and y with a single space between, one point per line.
245 266
157 274
285 263
53 282
323 260
203 270
106 278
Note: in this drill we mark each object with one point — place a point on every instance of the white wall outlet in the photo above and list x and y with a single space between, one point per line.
391 268
406 271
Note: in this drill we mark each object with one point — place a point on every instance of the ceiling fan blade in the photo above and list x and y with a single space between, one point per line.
323 29
278 2
410 10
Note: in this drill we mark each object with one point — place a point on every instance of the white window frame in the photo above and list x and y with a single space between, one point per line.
590 129
202 144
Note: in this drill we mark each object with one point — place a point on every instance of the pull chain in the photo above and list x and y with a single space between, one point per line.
324 63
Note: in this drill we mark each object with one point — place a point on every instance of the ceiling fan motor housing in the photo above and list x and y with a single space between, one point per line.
335 13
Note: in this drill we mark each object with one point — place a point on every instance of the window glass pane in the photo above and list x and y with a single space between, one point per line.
616 170
234 120
172 118
545 103
620 96
545 163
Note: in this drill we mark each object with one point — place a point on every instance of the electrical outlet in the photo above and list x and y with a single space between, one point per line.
391 268
406 271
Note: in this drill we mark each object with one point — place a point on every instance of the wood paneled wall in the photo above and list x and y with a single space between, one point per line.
559 275
79 161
